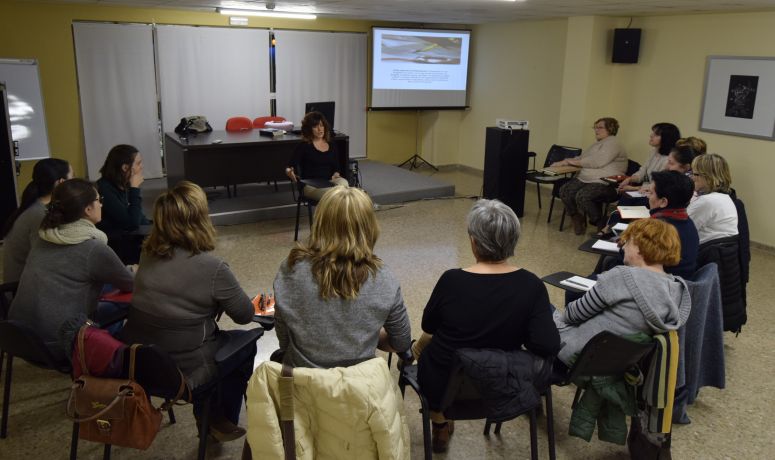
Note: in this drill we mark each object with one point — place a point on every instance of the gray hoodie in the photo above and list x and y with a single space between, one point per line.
625 300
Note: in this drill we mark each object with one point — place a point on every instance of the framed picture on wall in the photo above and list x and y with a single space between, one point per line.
739 96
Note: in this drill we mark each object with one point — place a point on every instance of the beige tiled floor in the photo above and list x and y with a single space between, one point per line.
419 241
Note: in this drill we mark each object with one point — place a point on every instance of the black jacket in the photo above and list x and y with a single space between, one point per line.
509 382
725 252
733 257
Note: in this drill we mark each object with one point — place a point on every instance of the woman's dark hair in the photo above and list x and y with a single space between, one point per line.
68 202
669 135
45 175
311 120
684 154
113 169
677 188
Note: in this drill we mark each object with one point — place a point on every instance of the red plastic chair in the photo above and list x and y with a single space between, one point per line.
236 124
260 122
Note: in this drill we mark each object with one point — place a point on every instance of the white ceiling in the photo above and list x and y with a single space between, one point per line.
460 11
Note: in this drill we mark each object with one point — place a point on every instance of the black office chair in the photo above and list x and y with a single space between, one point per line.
462 401
556 153
302 200
159 376
605 354
19 340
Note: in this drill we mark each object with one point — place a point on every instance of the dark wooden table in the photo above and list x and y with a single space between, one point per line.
223 158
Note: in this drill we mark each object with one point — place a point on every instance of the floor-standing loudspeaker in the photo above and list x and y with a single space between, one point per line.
505 166
626 46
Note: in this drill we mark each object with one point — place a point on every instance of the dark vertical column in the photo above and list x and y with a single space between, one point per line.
505 166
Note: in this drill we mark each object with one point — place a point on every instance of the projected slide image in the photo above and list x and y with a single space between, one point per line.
421 49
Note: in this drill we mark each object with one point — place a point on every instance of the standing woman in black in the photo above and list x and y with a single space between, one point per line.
21 228
122 212
316 158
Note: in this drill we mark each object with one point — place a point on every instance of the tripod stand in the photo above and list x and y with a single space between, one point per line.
415 161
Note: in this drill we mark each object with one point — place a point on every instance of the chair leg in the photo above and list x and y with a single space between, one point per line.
74 442
426 427
6 395
551 208
171 413
538 192
576 398
486 428
298 215
309 214
275 186
533 436
550 423
204 429
106 452
497 428
562 220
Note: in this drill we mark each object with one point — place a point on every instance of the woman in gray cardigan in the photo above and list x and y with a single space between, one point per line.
336 301
68 266
180 288
636 297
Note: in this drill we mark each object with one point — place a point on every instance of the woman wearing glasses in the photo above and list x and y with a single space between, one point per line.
583 194
713 211
68 266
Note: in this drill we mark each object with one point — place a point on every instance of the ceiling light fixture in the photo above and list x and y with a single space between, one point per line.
268 13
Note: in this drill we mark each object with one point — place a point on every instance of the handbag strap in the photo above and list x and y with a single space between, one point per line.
286 412
121 394
81 347
183 387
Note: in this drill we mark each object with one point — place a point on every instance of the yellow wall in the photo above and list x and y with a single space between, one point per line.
43 32
558 75
667 85
516 73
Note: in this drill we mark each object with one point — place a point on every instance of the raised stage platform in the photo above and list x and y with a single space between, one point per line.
386 184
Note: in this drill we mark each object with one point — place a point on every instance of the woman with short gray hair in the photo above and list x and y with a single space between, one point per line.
491 304
494 230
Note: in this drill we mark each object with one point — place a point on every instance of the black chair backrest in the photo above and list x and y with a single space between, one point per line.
632 167
7 291
559 153
608 354
21 341
155 371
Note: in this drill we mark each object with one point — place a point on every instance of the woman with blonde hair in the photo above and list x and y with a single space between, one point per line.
713 211
636 297
336 302
180 288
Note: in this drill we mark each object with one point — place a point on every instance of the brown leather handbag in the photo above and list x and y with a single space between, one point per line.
113 411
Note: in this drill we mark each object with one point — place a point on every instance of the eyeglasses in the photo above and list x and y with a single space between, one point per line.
696 174
100 199
598 127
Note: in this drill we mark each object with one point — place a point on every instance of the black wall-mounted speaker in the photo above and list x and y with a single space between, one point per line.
626 46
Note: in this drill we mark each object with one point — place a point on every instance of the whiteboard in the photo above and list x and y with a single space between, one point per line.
25 107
